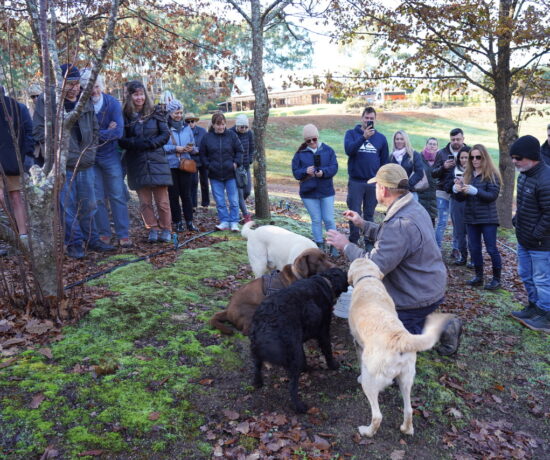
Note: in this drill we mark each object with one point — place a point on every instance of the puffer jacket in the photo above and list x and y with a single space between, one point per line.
545 152
84 135
145 157
249 148
406 252
532 219
218 152
411 165
427 198
481 208
22 125
315 187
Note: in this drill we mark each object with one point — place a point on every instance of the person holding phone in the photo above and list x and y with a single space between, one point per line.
314 165
445 161
180 145
457 207
480 189
367 150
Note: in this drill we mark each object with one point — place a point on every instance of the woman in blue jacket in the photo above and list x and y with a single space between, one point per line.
480 189
314 165
180 145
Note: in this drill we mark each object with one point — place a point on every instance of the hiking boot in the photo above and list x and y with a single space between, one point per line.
528 312
222 226
191 227
539 322
125 242
165 236
153 235
494 284
478 279
100 246
461 259
450 338
75 251
179 227
235 227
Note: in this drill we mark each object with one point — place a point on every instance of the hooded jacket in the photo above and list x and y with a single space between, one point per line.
315 187
365 156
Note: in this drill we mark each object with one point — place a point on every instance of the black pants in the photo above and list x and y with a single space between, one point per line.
181 190
202 175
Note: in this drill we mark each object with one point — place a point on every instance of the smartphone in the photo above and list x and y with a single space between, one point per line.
190 144
317 161
370 124
451 157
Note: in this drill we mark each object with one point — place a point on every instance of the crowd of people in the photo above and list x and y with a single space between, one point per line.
165 155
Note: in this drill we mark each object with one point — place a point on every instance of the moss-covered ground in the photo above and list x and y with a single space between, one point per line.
142 375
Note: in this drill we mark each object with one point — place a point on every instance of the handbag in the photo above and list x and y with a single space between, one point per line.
185 164
241 176
423 183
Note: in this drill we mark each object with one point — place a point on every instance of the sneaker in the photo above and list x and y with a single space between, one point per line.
105 239
100 246
75 251
191 227
165 236
125 243
528 312
540 322
235 227
24 240
153 235
179 227
222 226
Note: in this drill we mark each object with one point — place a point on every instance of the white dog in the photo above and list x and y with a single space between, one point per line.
271 247
386 350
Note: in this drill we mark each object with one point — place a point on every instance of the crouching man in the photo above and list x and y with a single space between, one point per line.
406 252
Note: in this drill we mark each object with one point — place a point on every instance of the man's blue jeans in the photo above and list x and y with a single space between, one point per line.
442 218
362 199
320 210
78 205
534 271
219 188
109 185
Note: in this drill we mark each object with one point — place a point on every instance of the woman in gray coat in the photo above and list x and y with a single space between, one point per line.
145 134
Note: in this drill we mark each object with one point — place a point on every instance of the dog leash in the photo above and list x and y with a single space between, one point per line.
365 276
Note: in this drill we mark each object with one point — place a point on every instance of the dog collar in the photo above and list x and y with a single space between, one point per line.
365 276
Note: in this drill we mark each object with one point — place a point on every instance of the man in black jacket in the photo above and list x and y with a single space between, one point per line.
14 115
532 222
545 148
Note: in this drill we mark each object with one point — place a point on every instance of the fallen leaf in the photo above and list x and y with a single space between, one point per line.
499 387
230 414
46 352
496 399
35 326
397 455
11 342
7 363
50 452
154 416
320 443
144 358
206 382
36 401
92 453
243 427
454 412
5 325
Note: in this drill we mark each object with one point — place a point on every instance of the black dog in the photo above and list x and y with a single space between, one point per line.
284 321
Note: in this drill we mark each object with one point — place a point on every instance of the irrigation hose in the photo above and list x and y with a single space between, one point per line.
138 259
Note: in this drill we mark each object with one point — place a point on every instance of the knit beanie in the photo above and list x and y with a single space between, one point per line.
241 120
70 72
310 131
173 106
526 147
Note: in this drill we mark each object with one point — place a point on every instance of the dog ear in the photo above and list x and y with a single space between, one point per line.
301 265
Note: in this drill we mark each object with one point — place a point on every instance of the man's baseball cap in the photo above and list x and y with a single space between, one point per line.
391 175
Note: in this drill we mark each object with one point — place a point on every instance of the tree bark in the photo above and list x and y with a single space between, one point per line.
261 112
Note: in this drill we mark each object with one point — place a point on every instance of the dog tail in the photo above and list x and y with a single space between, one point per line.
216 322
247 229
435 323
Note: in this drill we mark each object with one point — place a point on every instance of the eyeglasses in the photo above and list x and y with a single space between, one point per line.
517 158
242 127
34 96
475 157
311 141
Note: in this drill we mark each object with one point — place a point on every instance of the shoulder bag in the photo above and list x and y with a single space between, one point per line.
186 164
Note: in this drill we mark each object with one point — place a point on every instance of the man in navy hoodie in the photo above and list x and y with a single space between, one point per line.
109 179
367 150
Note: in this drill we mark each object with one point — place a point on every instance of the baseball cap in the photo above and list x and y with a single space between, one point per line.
391 175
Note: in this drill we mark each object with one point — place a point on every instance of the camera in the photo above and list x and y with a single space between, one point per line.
317 161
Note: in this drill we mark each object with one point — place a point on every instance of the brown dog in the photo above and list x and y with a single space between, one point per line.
245 301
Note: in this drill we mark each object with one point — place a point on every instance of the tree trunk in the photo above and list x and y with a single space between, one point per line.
261 112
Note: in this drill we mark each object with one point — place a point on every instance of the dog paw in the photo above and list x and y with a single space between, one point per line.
367 431
407 429
359 379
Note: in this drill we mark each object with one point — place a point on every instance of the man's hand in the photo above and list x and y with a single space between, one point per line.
336 239
449 164
353 217
112 125
368 133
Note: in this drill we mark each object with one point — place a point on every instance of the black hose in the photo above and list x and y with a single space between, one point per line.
139 259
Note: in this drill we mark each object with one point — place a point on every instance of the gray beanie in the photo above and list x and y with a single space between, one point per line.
174 105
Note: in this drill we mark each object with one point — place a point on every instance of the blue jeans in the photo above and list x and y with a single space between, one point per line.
489 233
459 227
109 185
219 188
78 206
534 271
361 196
442 218
320 210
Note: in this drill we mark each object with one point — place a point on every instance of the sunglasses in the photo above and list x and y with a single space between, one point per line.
475 157
34 96
311 141
190 121
516 158
242 127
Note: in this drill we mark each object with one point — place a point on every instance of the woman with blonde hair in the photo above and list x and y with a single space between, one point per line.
408 158
480 188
